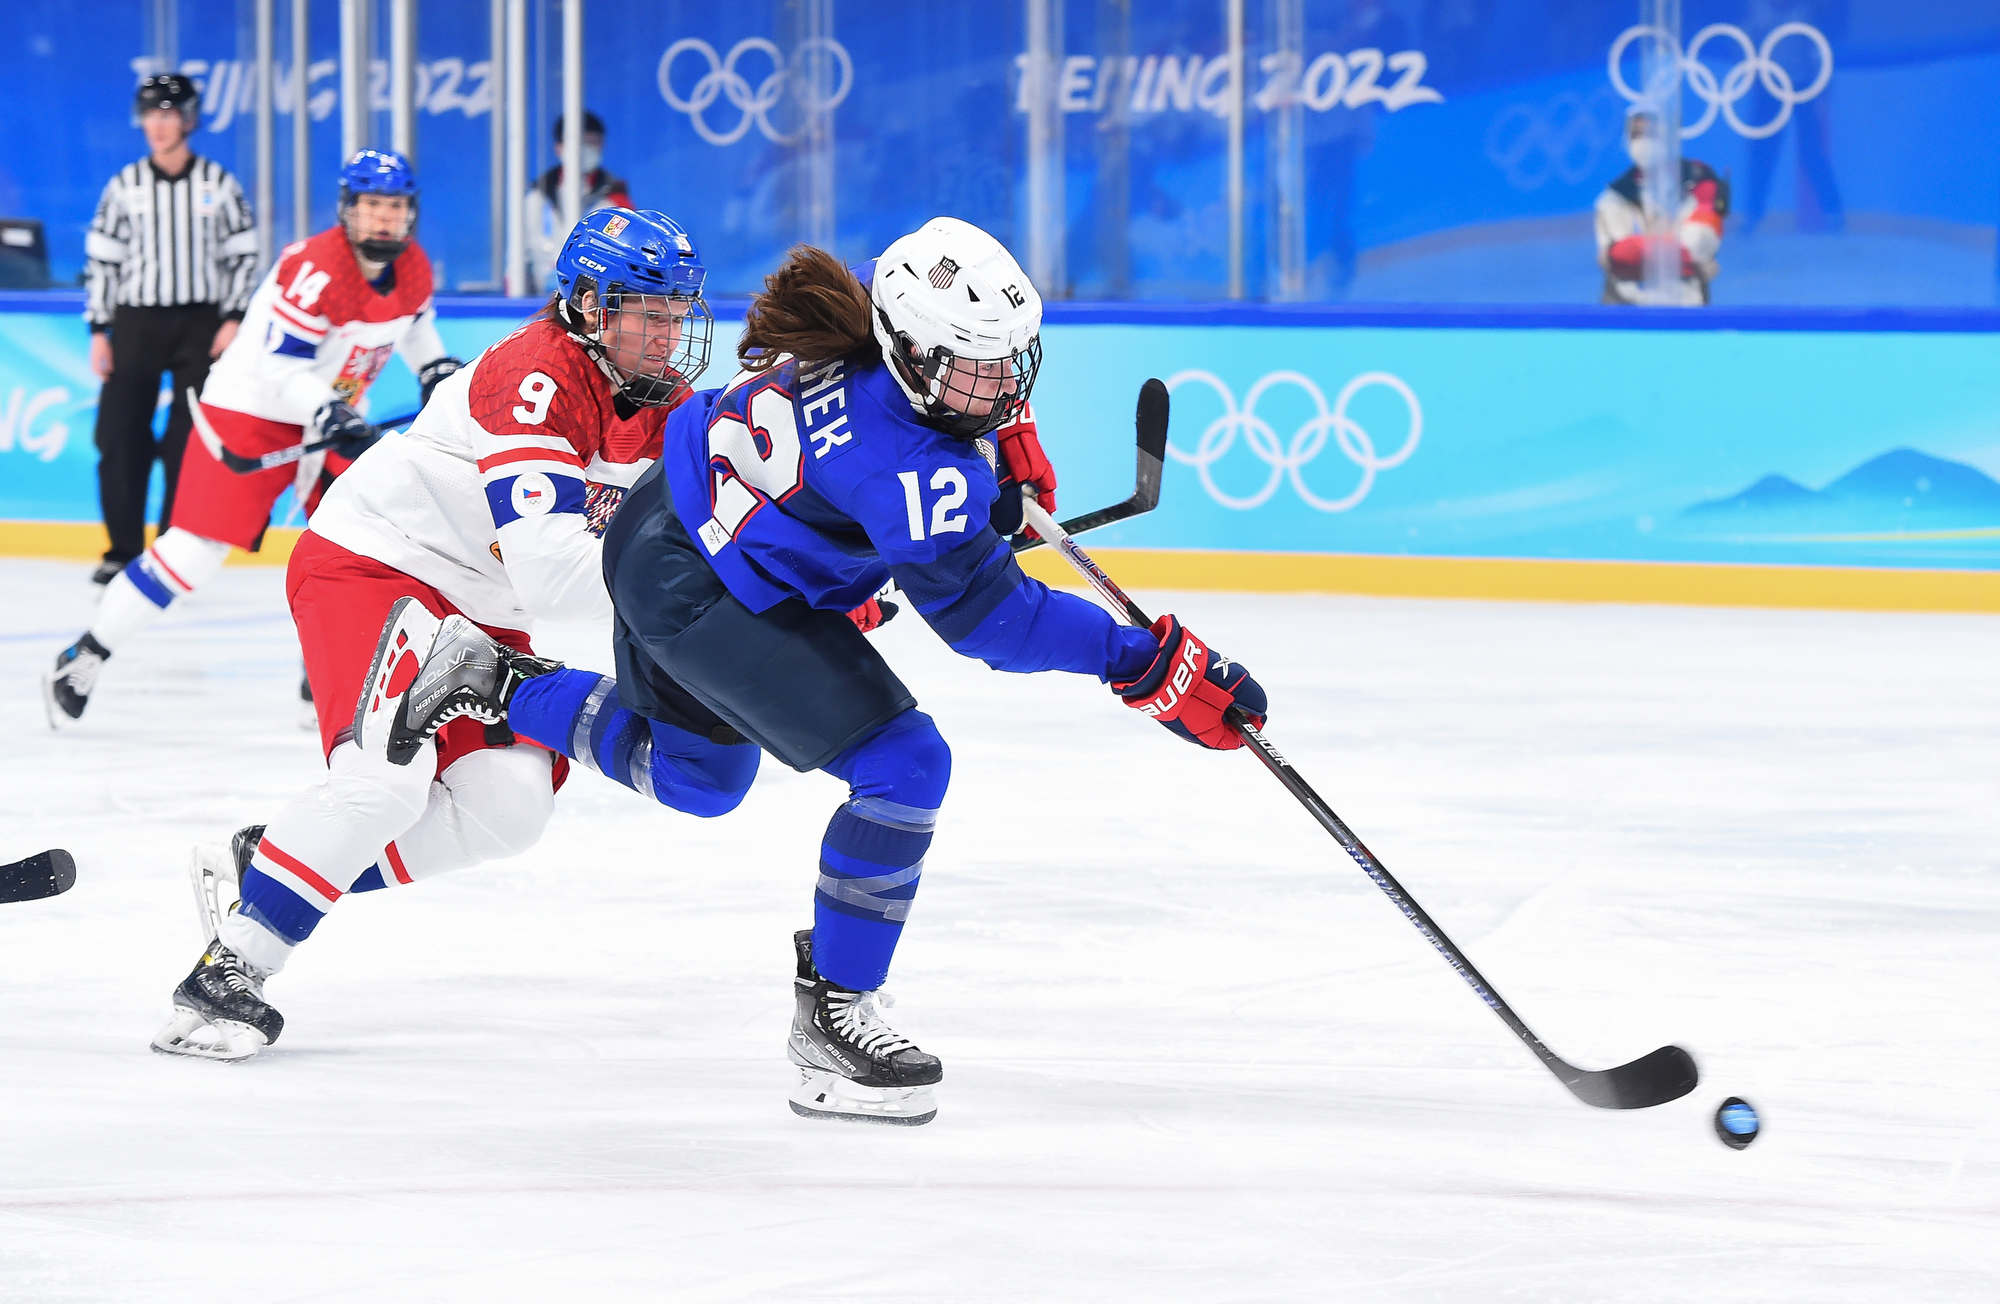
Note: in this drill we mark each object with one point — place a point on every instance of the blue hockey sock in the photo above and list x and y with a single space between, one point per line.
873 855
578 714
277 907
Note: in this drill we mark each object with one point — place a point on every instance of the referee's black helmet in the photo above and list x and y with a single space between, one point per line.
168 90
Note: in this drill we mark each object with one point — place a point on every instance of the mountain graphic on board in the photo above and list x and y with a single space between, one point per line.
1900 490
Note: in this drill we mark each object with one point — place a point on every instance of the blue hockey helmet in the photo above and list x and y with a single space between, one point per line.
378 172
646 319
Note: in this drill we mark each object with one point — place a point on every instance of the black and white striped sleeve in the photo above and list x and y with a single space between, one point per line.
236 249
106 247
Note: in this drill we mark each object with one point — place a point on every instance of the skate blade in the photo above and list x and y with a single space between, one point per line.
189 1034
212 874
820 1094
59 719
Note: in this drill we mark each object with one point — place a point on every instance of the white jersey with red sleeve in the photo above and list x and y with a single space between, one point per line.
316 331
486 496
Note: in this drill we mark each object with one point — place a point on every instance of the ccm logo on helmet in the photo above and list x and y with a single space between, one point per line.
1189 670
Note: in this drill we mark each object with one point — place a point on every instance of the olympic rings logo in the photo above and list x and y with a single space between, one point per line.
1307 441
1755 67
1564 138
818 77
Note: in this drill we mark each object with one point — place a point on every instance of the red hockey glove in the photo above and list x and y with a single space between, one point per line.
1190 688
1022 460
873 614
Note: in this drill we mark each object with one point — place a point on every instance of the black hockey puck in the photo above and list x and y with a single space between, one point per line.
1736 1123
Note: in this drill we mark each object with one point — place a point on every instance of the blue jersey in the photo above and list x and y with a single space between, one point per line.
820 483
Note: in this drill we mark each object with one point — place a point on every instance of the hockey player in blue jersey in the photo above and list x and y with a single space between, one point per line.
852 448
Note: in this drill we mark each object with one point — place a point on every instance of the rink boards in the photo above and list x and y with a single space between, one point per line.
1786 460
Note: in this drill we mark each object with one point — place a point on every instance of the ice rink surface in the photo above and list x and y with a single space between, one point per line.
1191 1052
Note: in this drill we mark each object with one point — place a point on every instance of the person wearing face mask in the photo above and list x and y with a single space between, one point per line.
545 223
1631 231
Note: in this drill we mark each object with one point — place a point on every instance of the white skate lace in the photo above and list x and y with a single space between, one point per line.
855 1016
237 975
457 709
81 671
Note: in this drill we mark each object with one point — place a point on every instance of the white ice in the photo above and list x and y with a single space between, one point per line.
1191 1052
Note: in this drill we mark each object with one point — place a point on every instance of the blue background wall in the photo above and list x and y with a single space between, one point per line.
1834 439
1450 149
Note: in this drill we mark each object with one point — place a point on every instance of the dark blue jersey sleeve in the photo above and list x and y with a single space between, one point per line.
981 603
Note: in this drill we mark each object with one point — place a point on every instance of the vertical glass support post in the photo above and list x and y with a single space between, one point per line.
266 183
354 62
820 72
1045 201
1111 188
1660 187
1233 18
572 99
496 144
403 78
1285 254
516 278
301 121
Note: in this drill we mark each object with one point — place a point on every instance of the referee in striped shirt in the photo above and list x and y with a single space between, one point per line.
172 259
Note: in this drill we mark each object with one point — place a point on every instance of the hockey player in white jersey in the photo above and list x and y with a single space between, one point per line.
317 333
483 508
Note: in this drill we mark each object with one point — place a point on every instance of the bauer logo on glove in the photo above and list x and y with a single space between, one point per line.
1190 688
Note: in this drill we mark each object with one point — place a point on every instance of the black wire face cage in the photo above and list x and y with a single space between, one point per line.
974 396
647 376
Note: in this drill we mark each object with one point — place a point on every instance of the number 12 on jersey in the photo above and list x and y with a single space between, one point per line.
949 481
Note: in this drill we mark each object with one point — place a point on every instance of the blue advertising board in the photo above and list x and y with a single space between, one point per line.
1786 447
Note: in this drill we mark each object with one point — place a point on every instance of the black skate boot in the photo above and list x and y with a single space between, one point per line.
428 673
66 688
220 1011
851 1064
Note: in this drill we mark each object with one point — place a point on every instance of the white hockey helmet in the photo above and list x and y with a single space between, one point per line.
960 325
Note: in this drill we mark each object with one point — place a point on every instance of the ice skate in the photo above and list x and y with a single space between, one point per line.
405 636
851 1064
308 713
419 684
66 687
219 1008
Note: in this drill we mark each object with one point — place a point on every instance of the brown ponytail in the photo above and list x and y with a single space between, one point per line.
812 307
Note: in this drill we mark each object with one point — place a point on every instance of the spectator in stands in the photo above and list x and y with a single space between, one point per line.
171 260
1631 231
546 225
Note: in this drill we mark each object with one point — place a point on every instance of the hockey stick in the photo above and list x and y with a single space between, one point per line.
48 874
1151 420
1653 1079
245 465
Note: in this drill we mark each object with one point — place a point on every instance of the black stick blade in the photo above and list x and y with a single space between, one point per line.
1666 1074
49 874
1151 420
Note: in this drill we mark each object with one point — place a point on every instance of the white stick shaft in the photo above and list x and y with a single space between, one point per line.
1065 543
